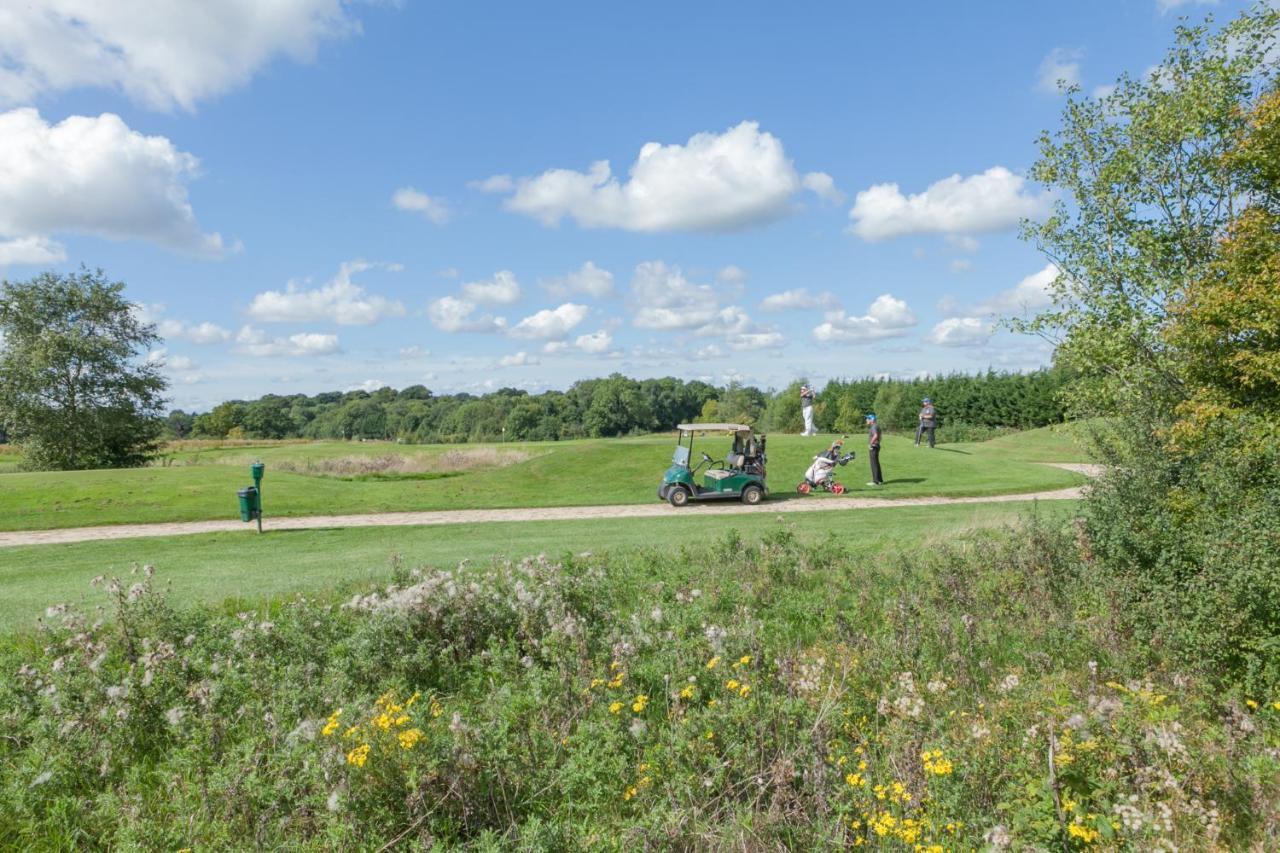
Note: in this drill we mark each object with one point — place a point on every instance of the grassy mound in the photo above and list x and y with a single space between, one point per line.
761 693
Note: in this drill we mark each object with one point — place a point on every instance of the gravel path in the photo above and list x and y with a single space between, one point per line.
558 513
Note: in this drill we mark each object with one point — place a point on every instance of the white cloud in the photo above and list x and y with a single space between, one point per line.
251 341
714 182
1059 69
451 314
799 299
550 322
368 386
161 54
731 274
520 359
960 332
824 186
887 317
1030 294
338 301
1166 6
595 342
994 200
180 362
1104 91
95 176
587 280
414 351
554 347
410 200
35 251
204 333
662 298
735 326
168 328
494 184
963 243
502 289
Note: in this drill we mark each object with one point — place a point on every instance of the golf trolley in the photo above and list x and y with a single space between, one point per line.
821 474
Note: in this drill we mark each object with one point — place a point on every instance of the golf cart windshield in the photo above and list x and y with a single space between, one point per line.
681 456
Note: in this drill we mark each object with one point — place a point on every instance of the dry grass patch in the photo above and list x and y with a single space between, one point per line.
400 465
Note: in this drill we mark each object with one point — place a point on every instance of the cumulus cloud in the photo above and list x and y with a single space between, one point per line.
410 200
338 301
33 251
95 176
451 314
169 328
587 280
550 322
994 200
714 182
594 343
520 359
251 341
799 299
161 54
731 274
887 317
494 184
502 289
960 332
663 299
1059 69
1030 294
823 186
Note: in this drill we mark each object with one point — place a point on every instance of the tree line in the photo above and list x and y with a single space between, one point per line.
618 405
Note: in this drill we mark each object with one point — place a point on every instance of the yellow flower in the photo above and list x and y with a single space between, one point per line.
639 703
711 664
359 755
382 721
596 682
686 692
744 691
401 720
731 684
331 726
712 703
1086 834
412 699
935 763
409 738
629 793
351 732
615 666
615 707
745 660
710 735
436 708
616 682
854 779
1252 704
1276 705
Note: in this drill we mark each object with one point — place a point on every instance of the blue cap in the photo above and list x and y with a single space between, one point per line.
870 416
927 400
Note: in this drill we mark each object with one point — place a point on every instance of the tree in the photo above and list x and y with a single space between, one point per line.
179 424
74 390
1144 199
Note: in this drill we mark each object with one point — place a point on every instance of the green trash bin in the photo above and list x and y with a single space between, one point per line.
249 506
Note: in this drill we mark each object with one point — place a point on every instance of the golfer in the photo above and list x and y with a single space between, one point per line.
806 409
928 421
873 450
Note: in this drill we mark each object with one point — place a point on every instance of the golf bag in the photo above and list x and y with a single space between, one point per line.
821 474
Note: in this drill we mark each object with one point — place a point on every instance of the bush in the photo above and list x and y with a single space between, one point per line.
753 693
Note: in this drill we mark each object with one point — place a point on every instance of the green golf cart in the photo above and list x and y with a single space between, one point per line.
740 475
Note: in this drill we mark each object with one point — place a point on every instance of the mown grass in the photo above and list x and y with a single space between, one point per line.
753 691
248 568
199 485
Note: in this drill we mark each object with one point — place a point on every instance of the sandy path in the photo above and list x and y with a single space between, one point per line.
558 513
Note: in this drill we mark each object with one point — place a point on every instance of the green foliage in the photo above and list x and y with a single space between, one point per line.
755 692
73 390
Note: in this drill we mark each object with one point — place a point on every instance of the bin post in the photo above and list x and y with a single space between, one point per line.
256 470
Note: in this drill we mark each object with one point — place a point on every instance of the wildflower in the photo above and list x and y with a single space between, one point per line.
359 755
629 793
414 698
615 707
331 726
710 735
1253 706
744 690
935 763
711 664
436 708
854 779
711 703
638 705
409 738
616 681
1086 834
731 684
1276 705
686 692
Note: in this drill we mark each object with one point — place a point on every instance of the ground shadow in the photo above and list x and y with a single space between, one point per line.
953 450
904 480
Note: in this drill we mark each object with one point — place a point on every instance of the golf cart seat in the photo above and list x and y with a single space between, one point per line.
735 460
719 473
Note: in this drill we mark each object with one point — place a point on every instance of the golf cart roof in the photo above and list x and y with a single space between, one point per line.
713 428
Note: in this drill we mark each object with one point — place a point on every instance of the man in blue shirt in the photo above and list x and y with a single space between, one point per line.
873 450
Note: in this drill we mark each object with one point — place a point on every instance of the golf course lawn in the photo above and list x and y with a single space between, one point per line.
193 485
246 567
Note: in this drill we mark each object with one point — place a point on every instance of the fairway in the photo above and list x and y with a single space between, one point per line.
200 484
248 568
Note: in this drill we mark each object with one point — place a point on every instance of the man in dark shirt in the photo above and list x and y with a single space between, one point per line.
928 421
873 450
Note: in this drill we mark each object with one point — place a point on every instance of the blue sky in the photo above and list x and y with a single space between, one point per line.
330 195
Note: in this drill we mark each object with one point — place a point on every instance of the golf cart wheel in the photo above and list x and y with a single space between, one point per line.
837 489
752 495
804 488
678 496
